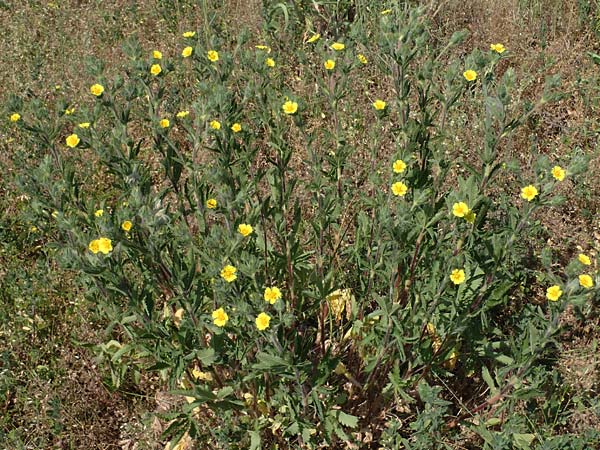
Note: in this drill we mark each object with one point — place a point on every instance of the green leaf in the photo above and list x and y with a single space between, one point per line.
206 356
504 359
269 362
347 419
485 373
254 440
523 440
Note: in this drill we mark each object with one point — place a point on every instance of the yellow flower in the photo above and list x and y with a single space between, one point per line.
220 317
272 294
215 125
470 217
314 38
68 111
290 107
558 173
270 62
156 54
187 52
211 203
498 48
399 189
236 127
245 229
189 34
470 75
126 226
213 55
584 259
529 192
262 321
72 140
362 58
379 105
97 89
329 64
553 293
94 246
164 123
228 273
104 245
338 46
15 117
99 213
263 47
460 209
182 114
385 12
399 166
155 69
458 276
586 281
84 125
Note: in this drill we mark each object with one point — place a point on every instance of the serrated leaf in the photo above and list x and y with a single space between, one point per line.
347 420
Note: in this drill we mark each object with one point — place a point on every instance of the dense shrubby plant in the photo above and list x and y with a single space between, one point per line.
289 239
